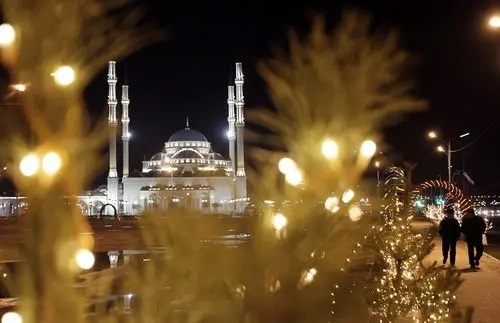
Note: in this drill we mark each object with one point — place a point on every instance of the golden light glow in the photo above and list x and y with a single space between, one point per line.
286 165
7 35
368 148
377 164
330 149
494 21
85 259
64 75
279 221
12 317
308 276
355 213
432 134
294 177
29 165
51 163
19 87
440 148
347 196
332 204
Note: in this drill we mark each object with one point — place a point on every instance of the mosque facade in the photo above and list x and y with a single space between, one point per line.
186 173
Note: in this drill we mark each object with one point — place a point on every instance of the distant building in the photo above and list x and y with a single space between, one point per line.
187 172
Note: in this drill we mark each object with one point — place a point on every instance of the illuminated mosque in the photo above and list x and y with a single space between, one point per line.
186 173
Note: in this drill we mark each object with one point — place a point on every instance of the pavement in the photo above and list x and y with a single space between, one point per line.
480 288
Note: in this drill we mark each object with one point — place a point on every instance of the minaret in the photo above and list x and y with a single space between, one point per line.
231 133
240 121
112 103
125 132
112 124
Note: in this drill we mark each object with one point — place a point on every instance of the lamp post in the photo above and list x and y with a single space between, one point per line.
448 151
377 165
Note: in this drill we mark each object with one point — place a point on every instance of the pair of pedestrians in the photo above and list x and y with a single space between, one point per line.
473 228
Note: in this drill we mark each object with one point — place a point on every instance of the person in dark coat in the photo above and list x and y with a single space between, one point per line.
473 228
449 229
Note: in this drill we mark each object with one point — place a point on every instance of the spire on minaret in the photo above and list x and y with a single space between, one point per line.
187 123
231 132
240 120
112 103
125 130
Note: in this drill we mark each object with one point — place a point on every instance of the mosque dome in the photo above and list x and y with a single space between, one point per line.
187 134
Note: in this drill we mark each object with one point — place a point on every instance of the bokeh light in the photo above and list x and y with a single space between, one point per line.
368 148
51 163
12 317
29 165
7 35
64 75
85 259
347 196
330 149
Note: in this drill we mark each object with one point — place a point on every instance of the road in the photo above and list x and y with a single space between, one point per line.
118 234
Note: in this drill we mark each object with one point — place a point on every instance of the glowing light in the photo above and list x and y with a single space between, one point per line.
64 75
19 87
294 177
347 196
29 165
432 134
12 317
85 259
279 221
377 164
368 148
355 213
332 204
51 163
494 21
330 149
441 149
286 165
309 275
7 35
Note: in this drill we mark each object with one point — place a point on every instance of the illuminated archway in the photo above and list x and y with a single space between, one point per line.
451 189
115 214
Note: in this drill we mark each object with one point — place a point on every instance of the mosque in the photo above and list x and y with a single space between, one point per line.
186 173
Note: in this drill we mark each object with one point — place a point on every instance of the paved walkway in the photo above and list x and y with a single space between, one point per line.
480 288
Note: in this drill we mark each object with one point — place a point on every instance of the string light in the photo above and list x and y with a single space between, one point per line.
64 75
12 317
85 259
330 149
7 35
29 165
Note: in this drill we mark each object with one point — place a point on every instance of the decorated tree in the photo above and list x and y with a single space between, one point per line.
404 286
52 49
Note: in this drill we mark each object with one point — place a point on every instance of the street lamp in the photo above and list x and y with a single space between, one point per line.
377 165
448 151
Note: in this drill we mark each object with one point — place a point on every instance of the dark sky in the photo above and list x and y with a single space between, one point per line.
187 76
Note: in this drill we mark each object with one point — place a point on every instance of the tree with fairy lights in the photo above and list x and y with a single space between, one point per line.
403 287
52 49
330 91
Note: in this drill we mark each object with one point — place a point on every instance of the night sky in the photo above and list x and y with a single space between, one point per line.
187 75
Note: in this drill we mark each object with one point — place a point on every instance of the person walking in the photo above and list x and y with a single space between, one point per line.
449 229
473 228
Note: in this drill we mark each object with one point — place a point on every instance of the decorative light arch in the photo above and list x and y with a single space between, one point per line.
115 214
453 190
